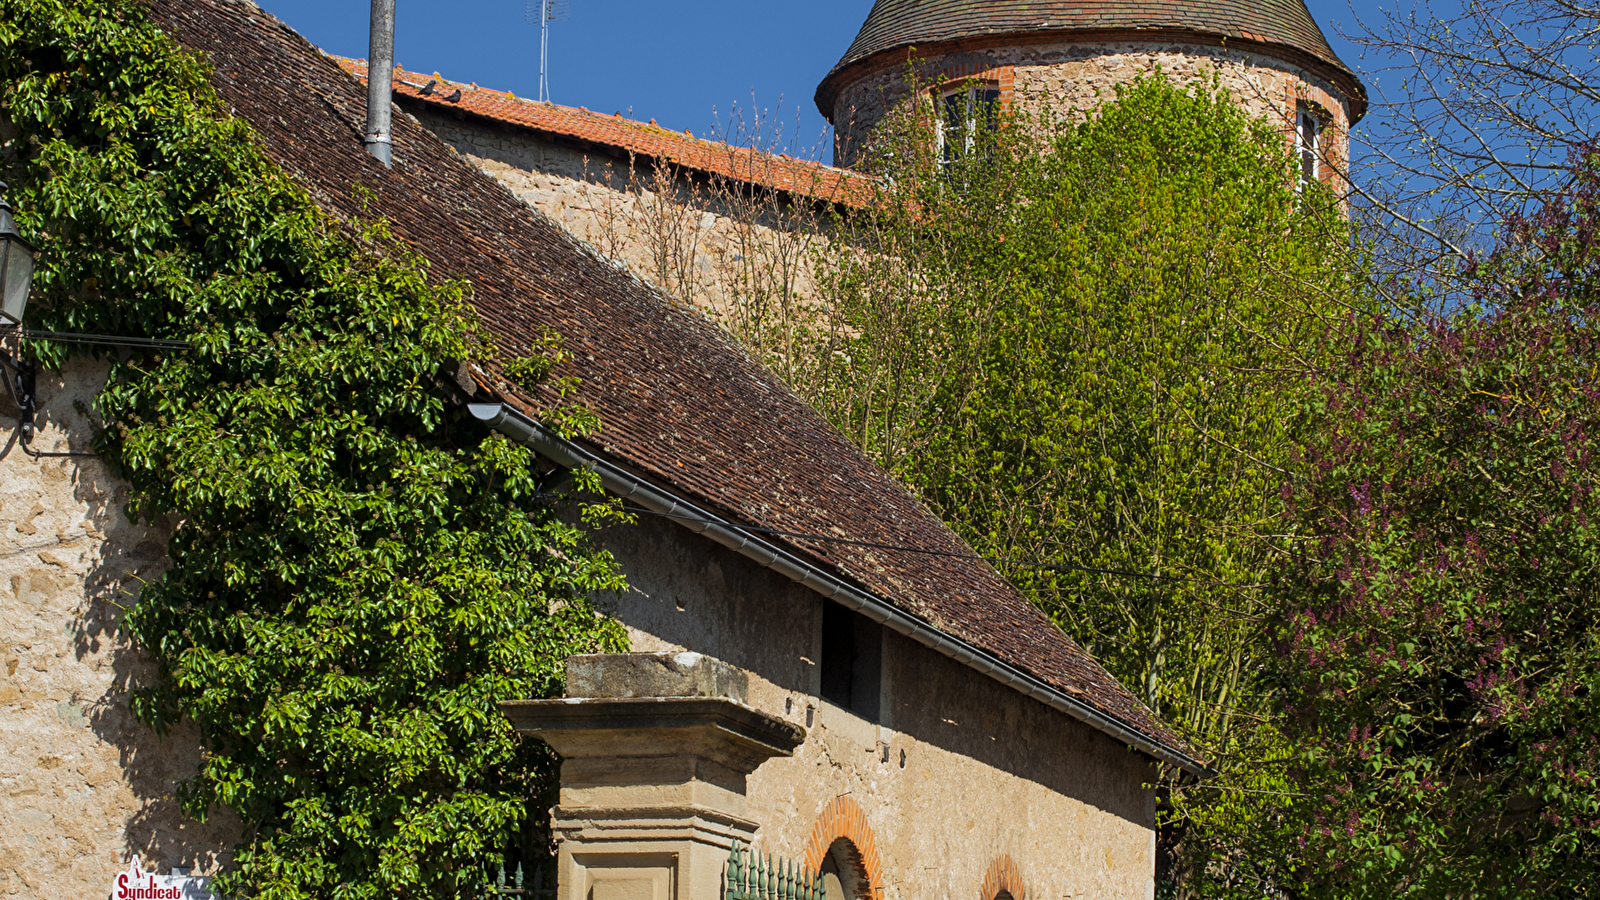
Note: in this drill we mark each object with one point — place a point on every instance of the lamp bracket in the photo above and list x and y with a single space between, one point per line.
20 378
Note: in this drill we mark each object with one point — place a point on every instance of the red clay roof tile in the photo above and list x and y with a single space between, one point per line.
651 141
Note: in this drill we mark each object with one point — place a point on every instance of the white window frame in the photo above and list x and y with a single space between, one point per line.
975 93
1308 128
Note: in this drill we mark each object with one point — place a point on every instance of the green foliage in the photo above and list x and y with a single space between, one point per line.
359 572
1441 639
1082 344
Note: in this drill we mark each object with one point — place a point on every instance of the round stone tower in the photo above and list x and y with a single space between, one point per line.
1071 54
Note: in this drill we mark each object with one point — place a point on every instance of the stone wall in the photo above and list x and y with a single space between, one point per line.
961 783
742 260
1071 78
83 787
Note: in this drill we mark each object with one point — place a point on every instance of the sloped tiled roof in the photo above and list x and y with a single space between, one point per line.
895 25
626 137
682 405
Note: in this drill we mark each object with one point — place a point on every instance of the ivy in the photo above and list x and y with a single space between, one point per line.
359 572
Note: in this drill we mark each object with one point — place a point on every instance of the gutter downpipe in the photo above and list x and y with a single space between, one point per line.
519 428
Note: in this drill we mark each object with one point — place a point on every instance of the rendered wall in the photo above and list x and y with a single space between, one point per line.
960 776
82 785
964 782
684 235
1071 78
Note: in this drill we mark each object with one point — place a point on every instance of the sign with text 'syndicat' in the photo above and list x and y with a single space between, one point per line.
137 884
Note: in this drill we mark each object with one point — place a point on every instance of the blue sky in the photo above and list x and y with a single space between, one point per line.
673 62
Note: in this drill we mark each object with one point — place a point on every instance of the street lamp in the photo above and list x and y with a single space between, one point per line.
16 266
16 273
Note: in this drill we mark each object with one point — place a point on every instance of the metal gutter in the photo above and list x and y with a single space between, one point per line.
518 427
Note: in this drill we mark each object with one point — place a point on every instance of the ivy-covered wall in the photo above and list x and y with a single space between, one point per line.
355 571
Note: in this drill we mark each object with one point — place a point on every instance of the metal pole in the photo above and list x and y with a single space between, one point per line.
544 50
380 81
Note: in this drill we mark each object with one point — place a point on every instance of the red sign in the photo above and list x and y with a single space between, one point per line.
137 884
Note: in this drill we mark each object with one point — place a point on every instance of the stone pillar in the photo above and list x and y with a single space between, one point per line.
655 748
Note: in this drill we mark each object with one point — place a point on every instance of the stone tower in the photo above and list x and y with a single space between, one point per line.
1072 53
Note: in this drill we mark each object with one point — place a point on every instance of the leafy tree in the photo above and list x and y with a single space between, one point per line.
1082 344
360 573
1440 635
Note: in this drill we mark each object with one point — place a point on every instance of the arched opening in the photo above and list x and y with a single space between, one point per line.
843 877
1003 881
842 846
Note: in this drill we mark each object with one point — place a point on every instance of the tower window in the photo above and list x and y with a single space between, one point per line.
852 651
965 114
1308 143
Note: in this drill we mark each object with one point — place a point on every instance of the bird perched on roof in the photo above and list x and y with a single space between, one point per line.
427 89
453 97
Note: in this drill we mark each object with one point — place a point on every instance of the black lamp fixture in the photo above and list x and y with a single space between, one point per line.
16 276
16 266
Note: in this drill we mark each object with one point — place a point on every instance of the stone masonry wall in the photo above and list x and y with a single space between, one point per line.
1072 78
963 783
743 262
83 786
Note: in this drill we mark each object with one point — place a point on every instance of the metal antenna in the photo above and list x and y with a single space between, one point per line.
542 13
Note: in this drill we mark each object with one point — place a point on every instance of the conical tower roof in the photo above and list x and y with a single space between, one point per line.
1281 28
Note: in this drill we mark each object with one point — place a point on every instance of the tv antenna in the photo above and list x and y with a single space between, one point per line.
542 13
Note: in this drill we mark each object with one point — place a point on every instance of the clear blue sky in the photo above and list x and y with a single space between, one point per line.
673 62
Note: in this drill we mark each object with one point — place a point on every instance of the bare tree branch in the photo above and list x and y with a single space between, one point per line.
1493 97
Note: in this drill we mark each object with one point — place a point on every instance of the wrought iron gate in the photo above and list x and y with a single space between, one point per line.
761 876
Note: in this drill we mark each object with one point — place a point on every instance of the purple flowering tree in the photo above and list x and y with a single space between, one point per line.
1439 644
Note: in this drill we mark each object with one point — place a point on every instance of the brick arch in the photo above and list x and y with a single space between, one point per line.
844 818
1003 875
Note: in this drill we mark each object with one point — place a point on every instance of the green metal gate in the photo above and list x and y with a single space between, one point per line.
761 876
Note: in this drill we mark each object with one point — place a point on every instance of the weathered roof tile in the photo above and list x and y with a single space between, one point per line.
682 405
894 26
648 141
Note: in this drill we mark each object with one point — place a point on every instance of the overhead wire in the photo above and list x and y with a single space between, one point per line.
168 344
40 454
113 340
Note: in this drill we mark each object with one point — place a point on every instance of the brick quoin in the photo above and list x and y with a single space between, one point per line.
1003 875
1335 137
1003 77
844 818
